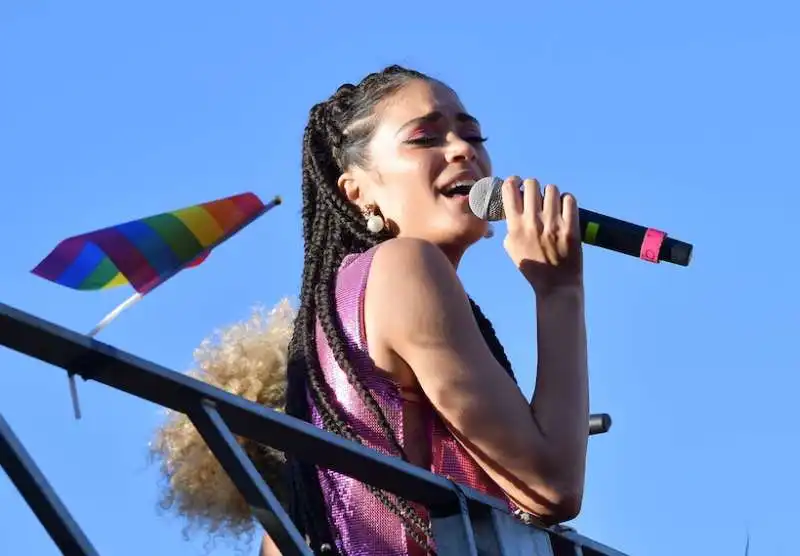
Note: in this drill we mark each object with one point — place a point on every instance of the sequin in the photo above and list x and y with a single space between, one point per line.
362 525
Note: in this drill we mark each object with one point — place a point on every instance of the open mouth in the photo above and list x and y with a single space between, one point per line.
457 190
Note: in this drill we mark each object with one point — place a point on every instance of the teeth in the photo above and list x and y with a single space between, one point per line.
465 183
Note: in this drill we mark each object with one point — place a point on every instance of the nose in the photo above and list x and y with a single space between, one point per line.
459 150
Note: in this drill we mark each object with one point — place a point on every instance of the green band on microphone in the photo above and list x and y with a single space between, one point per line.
591 232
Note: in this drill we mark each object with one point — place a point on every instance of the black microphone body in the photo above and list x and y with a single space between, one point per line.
627 238
485 200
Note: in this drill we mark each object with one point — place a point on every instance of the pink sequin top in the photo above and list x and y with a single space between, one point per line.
361 525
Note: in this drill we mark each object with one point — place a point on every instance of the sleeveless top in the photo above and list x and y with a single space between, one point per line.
360 524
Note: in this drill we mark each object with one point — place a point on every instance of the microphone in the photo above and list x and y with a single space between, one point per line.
485 200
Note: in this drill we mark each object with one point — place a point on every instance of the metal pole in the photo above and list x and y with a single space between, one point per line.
40 496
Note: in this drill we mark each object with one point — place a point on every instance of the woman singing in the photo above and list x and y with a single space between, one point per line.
388 349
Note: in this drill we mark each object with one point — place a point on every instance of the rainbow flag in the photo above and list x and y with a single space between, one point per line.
146 252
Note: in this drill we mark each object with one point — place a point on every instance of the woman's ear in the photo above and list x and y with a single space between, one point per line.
348 185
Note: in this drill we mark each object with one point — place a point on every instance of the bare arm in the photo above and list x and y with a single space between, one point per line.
268 547
560 401
535 451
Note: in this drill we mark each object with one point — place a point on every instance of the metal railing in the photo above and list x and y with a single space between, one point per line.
465 522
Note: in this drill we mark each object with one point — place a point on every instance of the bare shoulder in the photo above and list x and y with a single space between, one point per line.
401 258
406 270
420 310
410 283
414 282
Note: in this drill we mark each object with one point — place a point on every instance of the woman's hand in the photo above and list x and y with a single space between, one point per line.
544 238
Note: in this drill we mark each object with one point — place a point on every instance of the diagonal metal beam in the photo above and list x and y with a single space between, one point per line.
263 504
40 496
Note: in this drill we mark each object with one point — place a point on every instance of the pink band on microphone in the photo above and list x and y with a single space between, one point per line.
651 245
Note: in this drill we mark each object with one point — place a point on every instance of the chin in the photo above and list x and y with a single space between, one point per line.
474 234
473 229
454 234
462 236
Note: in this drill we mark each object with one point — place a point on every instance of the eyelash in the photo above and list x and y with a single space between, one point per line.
429 140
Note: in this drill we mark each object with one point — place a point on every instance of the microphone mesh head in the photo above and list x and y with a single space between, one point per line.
486 199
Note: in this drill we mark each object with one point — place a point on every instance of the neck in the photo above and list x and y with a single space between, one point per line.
454 253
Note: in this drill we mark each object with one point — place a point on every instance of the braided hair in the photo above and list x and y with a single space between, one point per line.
336 137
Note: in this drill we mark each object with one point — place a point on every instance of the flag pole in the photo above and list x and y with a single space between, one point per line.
132 300
73 388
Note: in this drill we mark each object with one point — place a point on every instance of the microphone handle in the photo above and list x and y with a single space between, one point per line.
632 239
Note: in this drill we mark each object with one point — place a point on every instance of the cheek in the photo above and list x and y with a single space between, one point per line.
418 167
408 205
408 180
484 162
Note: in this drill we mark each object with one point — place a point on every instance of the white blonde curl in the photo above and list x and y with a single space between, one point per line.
248 359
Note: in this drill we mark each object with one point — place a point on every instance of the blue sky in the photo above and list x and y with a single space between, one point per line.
678 115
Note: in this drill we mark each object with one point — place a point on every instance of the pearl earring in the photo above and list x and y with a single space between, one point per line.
375 222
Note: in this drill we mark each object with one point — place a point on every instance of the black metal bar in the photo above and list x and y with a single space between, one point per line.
95 360
40 496
240 468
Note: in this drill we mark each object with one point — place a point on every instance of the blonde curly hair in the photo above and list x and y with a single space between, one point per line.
248 359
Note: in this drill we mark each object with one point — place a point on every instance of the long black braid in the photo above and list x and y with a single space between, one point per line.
336 136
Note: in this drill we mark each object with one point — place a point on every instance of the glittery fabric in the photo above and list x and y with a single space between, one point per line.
361 525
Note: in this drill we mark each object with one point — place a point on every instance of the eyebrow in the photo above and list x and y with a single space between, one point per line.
435 117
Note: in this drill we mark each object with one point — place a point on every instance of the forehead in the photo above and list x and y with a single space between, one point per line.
417 99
